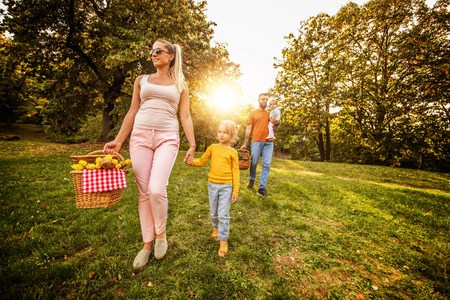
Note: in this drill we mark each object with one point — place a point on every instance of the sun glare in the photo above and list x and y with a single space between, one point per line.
225 99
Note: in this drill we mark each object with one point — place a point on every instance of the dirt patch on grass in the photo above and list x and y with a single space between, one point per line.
343 276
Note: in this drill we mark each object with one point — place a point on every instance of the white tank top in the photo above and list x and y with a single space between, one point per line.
159 106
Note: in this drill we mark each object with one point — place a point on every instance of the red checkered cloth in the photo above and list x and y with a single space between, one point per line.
101 180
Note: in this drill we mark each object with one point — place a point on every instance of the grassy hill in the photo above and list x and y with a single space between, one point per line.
327 231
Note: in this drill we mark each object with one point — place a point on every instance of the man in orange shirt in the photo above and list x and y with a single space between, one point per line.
258 122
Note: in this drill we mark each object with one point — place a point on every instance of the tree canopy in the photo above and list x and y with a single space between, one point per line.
86 53
381 68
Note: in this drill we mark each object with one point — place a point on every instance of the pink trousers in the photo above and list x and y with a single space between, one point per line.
153 154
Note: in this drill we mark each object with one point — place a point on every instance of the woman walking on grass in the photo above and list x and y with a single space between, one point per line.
223 182
154 142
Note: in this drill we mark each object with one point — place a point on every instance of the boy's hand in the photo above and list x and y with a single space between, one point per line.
234 198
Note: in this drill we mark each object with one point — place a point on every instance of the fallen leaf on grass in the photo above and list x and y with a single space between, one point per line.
375 287
119 277
91 274
150 284
359 296
406 267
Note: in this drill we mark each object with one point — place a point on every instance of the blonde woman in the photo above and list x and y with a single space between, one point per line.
223 181
154 142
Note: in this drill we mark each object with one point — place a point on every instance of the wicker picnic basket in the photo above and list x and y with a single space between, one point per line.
93 200
244 160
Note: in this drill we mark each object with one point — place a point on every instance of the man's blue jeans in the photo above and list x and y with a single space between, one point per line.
264 149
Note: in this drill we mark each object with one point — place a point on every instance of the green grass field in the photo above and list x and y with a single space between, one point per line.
327 231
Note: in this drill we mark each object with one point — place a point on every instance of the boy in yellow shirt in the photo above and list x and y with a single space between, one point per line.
223 182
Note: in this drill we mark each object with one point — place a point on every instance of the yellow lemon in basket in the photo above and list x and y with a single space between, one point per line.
128 161
109 156
98 166
82 162
118 166
114 161
90 166
77 167
98 160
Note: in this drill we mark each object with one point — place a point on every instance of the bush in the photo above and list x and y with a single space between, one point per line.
90 130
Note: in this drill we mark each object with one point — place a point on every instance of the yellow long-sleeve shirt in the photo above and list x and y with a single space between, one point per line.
224 167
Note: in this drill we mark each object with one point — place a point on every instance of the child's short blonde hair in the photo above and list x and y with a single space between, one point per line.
230 128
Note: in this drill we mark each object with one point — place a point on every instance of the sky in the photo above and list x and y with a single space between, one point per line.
254 31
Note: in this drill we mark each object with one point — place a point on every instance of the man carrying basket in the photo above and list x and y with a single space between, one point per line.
258 122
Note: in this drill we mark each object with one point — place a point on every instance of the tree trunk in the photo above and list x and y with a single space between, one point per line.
320 146
110 98
10 120
106 123
422 162
328 140
327 132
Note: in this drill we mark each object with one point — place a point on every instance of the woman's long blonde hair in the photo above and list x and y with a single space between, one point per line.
176 65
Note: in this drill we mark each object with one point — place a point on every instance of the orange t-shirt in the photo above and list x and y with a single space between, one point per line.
260 124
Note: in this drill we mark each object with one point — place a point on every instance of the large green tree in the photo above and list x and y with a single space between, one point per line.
306 84
87 50
377 96
429 129
394 90
384 65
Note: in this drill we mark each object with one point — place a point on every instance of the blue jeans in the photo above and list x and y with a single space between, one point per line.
219 207
264 149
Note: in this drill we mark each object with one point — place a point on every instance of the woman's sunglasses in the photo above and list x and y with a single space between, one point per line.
158 51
